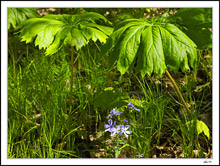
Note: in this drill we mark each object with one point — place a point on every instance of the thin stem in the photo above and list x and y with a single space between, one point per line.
71 90
71 79
177 90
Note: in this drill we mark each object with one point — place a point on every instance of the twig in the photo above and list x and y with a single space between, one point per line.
174 99
177 90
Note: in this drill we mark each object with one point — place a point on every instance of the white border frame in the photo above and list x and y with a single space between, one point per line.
109 4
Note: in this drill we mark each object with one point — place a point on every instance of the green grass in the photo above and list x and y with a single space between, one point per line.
42 124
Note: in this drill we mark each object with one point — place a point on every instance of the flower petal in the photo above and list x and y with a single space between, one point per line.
126 135
110 122
118 128
120 132
108 130
128 132
129 104
114 109
136 109
114 124
112 133
106 126
127 127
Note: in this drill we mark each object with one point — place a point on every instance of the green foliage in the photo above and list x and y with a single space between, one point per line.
153 43
197 24
110 97
41 123
201 127
54 31
17 16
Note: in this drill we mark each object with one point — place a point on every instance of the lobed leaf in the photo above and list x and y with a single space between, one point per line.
176 48
90 16
107 30
196 23
59 40
94 34
128 48
114 40
193 17
156 45
45 29
150 56
17 16
54 31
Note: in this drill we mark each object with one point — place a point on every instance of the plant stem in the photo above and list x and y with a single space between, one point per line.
177 90
71 79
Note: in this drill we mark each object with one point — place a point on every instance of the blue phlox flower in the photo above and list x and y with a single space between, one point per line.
110 127
124 130
113 112
131 105
126 121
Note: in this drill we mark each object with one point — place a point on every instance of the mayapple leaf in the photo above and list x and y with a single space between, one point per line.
196 23
151 56
94 34
154 45
107 30
51 32
128 48
91 16
45 29
193 16
58 41
17 16
115 37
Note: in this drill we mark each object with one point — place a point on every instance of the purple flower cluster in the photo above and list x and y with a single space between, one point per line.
110 127
120 129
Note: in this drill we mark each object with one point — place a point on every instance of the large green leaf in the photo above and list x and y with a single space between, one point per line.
155 46
193 17
196 23
113 42
17 16
200 127
54 31
45 29
128 47
151 56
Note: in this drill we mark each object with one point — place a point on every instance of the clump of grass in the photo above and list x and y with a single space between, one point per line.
37 106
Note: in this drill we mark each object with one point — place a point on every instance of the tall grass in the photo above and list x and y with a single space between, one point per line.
37 105
42 124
